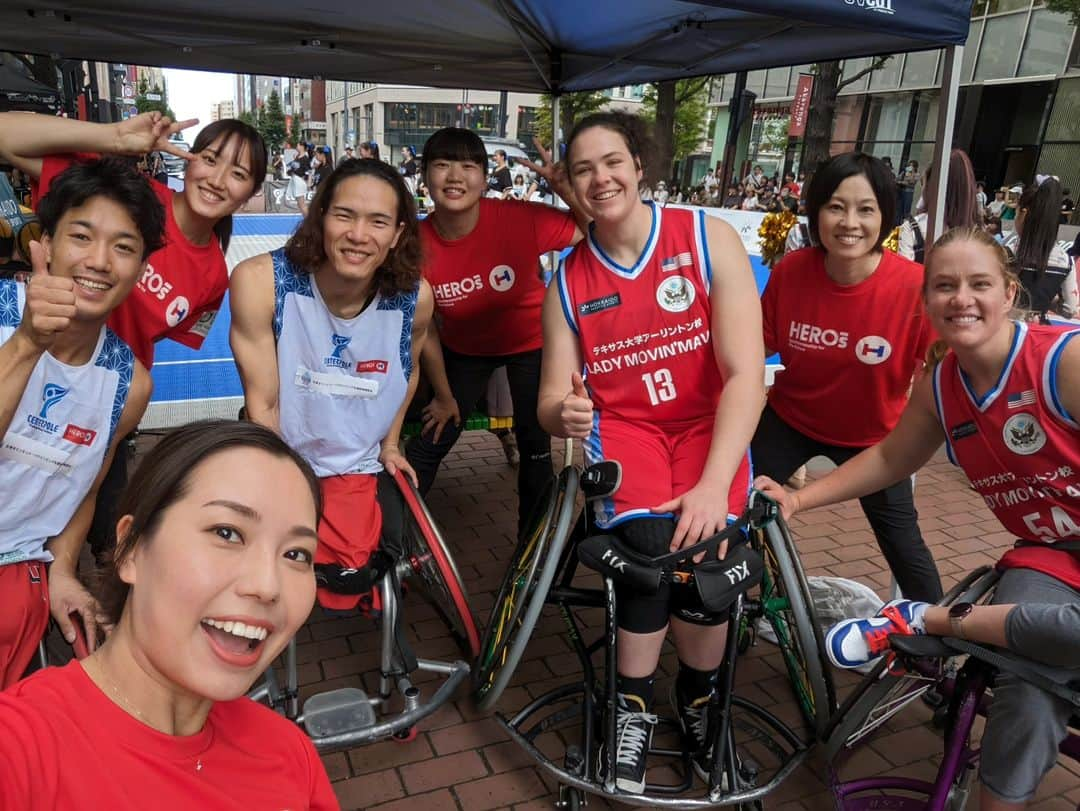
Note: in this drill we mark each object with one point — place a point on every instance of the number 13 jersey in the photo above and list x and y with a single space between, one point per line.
645 330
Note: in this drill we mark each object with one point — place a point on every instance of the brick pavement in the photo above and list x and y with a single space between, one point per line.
462 760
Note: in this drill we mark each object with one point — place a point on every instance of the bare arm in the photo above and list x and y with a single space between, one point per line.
66 593
251 336
27 138
18 357
1068 378
391 456
443 408
563 407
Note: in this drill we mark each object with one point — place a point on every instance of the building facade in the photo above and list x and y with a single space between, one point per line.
223 109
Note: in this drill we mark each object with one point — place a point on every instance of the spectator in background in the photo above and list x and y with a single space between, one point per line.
750 201
1046 272
322 166
710 182
997 205
1067 206
410 169
1012 202
348 152
755 180
661 195
500 179
980 195
370 149
791 185
518 189
961 210
906 182
733 199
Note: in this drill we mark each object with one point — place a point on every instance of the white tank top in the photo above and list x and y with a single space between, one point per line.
57 440
341 381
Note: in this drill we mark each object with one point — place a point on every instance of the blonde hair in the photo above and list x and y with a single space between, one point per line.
1004 260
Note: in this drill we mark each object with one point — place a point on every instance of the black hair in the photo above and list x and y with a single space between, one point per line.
114 180
229 130
454 144
635 131
162 479
1042 204
839 168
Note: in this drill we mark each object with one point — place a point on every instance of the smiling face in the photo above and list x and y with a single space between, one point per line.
360 226
849 223
219 180
97 245
604 174
226 578
455 185
968 295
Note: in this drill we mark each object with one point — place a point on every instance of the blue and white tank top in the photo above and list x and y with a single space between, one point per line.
57 440
341 381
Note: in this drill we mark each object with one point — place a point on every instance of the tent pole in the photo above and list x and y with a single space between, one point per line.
946 123
555 126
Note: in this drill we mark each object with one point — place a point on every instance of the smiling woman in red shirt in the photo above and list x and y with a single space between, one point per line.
213 575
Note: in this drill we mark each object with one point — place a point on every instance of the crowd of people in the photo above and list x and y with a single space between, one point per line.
648 345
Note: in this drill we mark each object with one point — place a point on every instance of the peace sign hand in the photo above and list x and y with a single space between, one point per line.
149 132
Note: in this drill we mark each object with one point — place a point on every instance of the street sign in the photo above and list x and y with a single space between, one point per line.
153 97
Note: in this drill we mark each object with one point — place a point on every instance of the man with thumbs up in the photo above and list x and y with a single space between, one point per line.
69 390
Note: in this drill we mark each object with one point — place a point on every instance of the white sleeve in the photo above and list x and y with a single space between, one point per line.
906 240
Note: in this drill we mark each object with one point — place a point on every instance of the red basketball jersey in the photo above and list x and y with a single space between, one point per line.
645 330
1019 447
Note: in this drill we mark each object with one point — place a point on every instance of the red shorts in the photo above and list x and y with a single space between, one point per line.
658 464
23 617
349 531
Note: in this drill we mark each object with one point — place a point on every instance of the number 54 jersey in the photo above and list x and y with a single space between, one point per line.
644 330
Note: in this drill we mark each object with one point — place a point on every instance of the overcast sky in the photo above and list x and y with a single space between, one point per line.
191 92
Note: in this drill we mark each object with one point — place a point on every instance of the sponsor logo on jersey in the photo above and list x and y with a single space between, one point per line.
51 394
205 322
501 278
872 350
1023 434
154 283
1024 398
177 311
80 436
340 342
598 305
811 336
379 366
962 430
675 294
451 292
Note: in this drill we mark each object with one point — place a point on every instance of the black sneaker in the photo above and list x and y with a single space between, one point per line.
693 717
633 737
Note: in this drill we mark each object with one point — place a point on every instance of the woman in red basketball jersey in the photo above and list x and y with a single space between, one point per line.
1004 399
658 306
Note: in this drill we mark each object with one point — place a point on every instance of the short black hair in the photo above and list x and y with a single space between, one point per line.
839 168
111 178
454 144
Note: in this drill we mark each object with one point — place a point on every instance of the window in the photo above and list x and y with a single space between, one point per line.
1001 6
1047 42
755 82
970 50
920 69
1001 41
526 124
1064 123
850 68
776 83
888 76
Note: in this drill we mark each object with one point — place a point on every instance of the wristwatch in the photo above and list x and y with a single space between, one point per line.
956 618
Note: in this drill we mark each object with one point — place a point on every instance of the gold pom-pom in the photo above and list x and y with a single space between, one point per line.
773 233
892 241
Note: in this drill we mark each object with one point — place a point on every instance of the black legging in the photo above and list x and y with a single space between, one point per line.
778 450
468 376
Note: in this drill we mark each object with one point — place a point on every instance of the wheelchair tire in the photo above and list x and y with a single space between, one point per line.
524 589
798 635
430 558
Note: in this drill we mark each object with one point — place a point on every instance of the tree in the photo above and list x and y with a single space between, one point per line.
679 110
572 108
819 119
296 130
151 99
1070 7
271 122
248 118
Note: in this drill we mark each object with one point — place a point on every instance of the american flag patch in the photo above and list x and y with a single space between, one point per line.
683 260
1024 398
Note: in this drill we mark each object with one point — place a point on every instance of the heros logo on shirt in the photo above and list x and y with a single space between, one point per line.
450 292
598 305
376 366
154 283
80 436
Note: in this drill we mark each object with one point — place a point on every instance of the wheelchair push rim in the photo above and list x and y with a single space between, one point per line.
428 555
524 589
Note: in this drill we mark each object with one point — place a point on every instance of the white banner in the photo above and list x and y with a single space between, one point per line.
746 223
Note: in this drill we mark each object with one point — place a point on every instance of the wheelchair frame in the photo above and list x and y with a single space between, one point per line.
541 573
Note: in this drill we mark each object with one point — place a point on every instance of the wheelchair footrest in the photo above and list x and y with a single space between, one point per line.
345 710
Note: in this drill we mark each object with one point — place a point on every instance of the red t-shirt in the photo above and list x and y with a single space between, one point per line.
181 290
1019 447
65 744
487 284
849 351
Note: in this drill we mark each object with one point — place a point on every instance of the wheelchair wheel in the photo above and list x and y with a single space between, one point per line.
427 553
788 608
524 589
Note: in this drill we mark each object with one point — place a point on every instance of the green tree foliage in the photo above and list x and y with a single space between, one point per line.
153 99
690 113
296 131
248 118
572 108
271 122
1070 7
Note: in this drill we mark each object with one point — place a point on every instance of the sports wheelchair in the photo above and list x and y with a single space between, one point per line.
412 559
952 676
545 569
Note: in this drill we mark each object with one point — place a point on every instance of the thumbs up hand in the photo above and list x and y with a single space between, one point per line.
577 410
50 302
